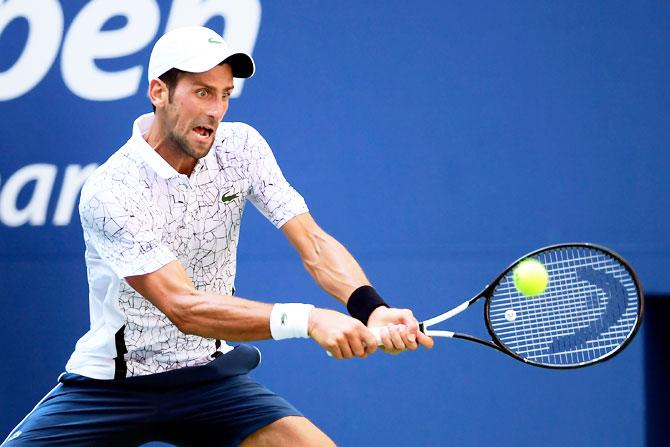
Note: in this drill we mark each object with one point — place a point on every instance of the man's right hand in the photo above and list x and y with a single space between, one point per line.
341 335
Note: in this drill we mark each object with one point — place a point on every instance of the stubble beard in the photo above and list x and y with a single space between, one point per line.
180 142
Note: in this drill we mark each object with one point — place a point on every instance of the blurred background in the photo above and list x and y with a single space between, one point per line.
438 140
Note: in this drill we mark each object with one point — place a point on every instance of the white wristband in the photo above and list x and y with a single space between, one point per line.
289 320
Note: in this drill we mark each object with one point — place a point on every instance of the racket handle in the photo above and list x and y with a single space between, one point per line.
376 331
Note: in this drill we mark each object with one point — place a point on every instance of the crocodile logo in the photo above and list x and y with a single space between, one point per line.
227 198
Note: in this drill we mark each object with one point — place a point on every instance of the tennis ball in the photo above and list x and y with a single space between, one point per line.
530 277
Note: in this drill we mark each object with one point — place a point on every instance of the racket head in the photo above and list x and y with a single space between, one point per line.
589 312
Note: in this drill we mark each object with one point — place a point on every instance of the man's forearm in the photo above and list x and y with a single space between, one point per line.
333 268
201 313
222 317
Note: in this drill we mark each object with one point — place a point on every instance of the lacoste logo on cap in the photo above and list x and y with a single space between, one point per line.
213 40
227 198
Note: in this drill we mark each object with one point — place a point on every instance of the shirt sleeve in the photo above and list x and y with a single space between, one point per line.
122 232
271 194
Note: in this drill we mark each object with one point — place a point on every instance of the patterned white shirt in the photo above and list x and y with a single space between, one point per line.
138 214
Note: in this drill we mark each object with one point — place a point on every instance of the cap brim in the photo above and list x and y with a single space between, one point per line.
242 64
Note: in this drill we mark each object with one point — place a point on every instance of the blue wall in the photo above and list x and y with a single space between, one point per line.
438 141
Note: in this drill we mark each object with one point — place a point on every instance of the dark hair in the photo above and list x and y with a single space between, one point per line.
170 77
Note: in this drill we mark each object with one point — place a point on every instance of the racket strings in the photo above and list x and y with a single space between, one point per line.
588 310
563 311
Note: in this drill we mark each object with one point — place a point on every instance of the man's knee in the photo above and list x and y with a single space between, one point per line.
294 431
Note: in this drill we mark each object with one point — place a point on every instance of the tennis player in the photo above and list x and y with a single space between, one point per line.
161 220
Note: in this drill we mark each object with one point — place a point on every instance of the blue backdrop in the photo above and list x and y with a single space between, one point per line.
438 140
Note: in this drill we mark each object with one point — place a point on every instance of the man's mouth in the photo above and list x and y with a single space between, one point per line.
203 131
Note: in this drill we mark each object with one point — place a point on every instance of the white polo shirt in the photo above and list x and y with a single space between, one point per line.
138 214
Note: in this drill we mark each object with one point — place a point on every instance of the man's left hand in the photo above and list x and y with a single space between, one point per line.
399 330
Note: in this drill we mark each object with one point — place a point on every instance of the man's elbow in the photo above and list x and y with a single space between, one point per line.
182 313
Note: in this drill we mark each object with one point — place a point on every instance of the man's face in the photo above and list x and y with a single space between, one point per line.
197 105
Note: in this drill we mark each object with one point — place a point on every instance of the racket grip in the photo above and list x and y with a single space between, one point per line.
376 331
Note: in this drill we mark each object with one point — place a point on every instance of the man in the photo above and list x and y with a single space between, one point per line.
161 221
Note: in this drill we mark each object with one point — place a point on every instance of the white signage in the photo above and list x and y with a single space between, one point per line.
85 42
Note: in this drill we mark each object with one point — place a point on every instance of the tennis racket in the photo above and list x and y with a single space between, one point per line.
589 311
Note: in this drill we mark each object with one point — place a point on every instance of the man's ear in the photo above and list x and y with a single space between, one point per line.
158 93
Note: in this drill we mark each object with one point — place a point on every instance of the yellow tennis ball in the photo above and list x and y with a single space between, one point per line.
530 277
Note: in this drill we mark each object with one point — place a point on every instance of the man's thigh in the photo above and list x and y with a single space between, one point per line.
84 416
221 414
291 431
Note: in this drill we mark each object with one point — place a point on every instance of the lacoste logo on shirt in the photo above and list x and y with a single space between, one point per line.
213 40
227 198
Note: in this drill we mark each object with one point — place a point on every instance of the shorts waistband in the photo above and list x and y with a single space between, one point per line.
240 360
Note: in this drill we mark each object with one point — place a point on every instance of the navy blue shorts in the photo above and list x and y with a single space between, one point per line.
215 404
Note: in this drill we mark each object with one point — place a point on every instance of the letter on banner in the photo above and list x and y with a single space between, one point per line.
35 212
85 42
45 28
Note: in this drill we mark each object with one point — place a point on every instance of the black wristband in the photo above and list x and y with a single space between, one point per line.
363 302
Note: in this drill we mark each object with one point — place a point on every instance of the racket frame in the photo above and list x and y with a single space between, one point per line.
490 288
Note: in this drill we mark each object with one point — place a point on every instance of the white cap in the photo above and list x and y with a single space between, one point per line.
196 49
